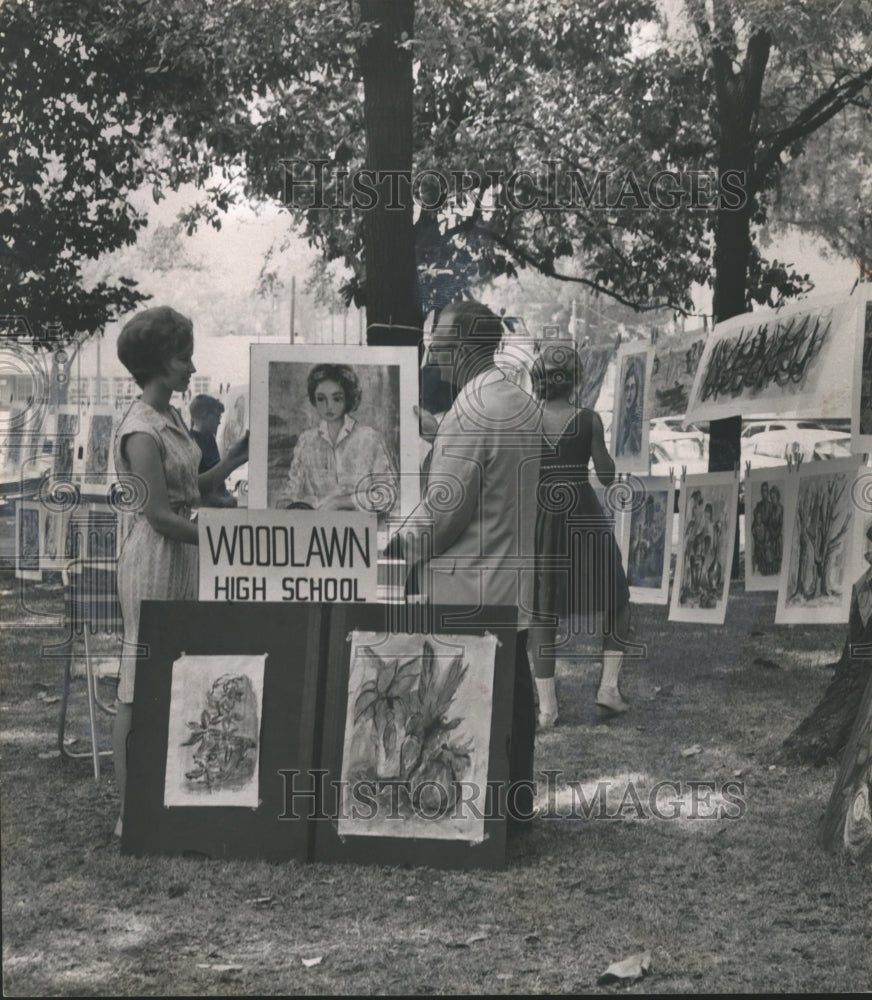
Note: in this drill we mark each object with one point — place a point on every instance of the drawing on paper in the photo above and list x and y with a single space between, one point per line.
214 731
865 402
673 368
764 529
648 540
417 725
706 531
235 417
67 424
28 538
821 526
99 444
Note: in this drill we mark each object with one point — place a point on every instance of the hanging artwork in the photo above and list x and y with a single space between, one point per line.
213 744
796 362
595 363
673 367
861 423
629 418
646 539
234 422
822 554
27 539
417 732
66 429
334 428
99 444
706 534
765 491
54 543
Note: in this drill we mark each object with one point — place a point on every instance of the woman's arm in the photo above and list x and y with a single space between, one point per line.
602 460
213 478
144 458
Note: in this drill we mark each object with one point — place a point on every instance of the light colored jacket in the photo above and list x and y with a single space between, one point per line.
474 530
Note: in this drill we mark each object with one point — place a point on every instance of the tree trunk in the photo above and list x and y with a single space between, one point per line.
391 285
821 736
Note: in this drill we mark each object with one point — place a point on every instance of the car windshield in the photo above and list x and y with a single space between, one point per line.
682 448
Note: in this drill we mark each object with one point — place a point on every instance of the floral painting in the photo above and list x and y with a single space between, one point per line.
417 736
213 746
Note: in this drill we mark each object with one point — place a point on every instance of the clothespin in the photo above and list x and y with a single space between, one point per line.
683 474
736 468
747 468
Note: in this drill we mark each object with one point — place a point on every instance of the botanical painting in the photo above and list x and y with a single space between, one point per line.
99 444
213 746
629 417
647 540
765 492
822 553
673 368
417 736
706 533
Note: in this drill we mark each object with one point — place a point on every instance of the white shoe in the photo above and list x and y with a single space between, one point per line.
611 700
547 720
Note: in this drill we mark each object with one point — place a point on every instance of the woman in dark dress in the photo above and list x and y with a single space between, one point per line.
579 574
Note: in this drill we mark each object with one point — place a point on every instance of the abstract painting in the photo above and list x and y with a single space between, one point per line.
53 553
417 736
822 555
213 746
334 428
99 444
673 367
765 492
706 534
790 362
629 416
646 540
595 363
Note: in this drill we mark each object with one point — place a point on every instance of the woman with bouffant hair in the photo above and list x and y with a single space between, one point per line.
157 462
340 464
597 589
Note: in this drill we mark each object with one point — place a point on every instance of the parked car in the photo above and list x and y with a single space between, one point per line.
770 443
688 450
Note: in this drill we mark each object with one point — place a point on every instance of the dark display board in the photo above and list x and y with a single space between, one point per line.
290 636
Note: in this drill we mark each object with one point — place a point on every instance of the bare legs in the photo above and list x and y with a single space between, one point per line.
608 695
543 668
120 732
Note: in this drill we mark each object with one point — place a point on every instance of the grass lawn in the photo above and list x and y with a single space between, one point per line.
747 904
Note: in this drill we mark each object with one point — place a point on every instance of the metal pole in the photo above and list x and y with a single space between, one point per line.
293 305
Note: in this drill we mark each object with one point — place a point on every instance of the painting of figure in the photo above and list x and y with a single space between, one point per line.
213 746
629 418
821 557
417 735
334 428
52 552
706 533
765 491
647 541
99 445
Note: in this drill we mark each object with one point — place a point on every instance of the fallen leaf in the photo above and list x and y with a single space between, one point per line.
738 774
310 962
260 901
760 661
626 971
691 751
480 936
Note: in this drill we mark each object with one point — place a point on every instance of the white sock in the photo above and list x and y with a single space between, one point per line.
547 695
611 669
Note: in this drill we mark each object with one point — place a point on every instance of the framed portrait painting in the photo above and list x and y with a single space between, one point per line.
334 428
629 417
706 535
